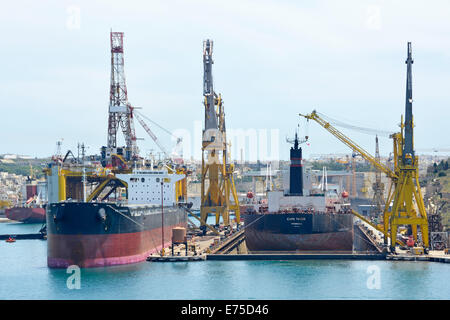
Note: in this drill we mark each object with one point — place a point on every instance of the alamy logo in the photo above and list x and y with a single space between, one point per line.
74 280
373 21
73 18
374 280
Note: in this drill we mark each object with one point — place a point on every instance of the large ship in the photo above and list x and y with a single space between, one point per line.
32 210
117 208
120 225
299 219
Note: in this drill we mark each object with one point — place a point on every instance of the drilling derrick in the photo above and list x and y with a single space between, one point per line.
377 187
120 110
217 174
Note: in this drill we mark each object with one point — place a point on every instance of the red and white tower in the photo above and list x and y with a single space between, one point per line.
120 110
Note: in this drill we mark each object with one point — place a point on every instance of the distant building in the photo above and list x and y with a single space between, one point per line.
14 156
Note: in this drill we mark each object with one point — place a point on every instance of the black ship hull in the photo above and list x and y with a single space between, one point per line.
298 232
104 234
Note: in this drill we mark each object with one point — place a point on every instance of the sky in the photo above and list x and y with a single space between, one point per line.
272 61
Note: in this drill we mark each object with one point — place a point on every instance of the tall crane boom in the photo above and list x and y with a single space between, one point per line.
152 135
208 88
350 143
408 148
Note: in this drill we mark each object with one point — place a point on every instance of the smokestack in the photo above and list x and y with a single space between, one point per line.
296 170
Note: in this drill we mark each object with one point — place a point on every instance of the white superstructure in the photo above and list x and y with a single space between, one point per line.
149 186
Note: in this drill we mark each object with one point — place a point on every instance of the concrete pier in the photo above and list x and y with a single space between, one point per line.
28 236
294 256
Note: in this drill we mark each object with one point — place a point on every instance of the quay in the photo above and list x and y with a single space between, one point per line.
176 258
27 236
409 257
295 256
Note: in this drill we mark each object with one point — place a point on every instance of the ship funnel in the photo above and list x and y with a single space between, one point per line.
296 170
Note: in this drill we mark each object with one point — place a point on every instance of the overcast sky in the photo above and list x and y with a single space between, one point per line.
273 59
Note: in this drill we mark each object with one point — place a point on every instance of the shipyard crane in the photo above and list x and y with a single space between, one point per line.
216 171
365 130
408 207
350 143
152 135
356 149
179 140
352 164
377 187
354 155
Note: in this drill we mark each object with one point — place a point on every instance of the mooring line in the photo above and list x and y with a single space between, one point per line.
124 215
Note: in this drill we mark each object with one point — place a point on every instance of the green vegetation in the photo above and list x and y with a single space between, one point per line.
437 181
438 168
23 167
336 166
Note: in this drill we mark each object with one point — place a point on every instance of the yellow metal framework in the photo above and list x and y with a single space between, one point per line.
180 185
404 192
219 174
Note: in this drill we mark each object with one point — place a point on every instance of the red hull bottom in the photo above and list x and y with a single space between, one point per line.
26 215
101 250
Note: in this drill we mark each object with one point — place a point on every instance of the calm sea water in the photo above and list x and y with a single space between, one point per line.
24 275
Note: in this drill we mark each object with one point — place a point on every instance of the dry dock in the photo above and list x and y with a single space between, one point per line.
295 256
232 247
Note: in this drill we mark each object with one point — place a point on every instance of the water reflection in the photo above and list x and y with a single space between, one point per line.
24 275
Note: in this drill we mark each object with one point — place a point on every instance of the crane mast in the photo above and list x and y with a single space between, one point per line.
217 174
404 204
377 186
208 88
408 148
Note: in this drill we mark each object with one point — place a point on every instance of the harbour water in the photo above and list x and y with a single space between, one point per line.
24 275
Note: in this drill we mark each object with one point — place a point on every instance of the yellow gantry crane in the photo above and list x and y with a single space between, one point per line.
216 170
404 192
